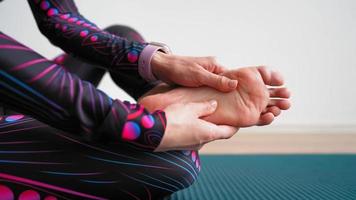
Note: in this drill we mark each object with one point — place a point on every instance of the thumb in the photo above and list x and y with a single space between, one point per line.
218 82
216 132
201 109
225 131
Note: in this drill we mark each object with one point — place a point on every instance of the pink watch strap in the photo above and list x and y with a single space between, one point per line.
144 62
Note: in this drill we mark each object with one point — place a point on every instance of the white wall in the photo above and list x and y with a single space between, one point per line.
312 42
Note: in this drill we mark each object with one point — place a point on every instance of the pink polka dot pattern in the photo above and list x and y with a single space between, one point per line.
44 5
132 56
6 193
93 28
50 198
80 22
29 195
131 131
194 156
65 16
72 19
13 118
147 121
94 38
52 12
83 33
60 59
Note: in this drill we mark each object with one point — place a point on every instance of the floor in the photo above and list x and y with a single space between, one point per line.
259 166
288 143
274 177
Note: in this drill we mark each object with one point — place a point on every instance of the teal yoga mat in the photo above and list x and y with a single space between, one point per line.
274 177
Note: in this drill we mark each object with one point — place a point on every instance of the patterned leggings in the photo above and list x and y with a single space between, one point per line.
41 162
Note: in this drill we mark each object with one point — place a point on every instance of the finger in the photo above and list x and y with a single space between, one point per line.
279 92
202 109
218 82
210 64
283 104
219 69
273 109
265 119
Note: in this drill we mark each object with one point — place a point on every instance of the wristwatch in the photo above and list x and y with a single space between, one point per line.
144 62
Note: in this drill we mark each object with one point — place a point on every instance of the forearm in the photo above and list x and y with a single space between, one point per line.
61 22
32 85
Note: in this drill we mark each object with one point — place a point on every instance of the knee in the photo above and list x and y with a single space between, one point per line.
187 168
125 31
117 28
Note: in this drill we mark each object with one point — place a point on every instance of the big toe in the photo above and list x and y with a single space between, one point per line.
276 79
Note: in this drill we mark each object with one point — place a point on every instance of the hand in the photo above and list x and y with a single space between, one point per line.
186 131
191 71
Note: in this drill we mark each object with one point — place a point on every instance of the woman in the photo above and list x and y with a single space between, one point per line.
104 147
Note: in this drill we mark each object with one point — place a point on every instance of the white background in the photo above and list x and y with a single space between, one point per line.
312 42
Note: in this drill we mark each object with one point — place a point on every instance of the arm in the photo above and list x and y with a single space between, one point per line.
35 86
62 24
65 27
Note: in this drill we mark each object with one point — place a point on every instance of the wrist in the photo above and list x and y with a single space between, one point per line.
153 51
158 64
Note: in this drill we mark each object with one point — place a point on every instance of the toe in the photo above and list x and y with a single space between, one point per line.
279 92
269 77
282 104
276 79
265 119
265 73
273 109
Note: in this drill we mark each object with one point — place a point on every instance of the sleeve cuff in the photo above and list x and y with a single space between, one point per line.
144 63
137 126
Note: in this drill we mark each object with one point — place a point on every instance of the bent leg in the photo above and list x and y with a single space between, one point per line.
36 159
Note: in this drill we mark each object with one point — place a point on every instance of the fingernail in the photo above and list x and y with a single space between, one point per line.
233 83
213 103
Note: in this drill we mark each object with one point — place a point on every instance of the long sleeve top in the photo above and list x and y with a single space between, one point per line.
35 86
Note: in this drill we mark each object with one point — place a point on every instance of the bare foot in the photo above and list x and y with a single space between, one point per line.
253 103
